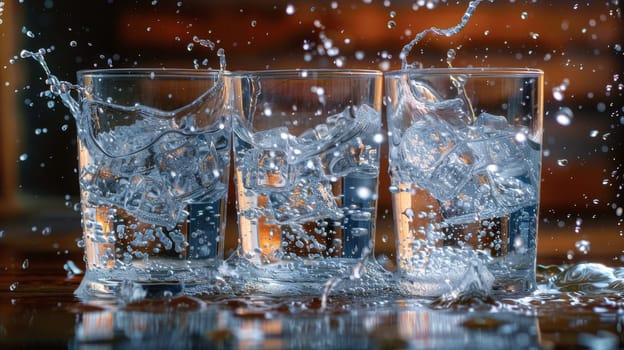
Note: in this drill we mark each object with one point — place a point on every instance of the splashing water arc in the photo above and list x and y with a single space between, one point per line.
438 31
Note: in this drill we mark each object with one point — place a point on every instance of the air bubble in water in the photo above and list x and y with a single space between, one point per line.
13 286
391 24
524 15
25 264
562 162
253 23
290 9
23 156
73 43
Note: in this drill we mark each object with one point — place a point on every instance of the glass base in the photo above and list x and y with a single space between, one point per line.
136 282
305 277
461 279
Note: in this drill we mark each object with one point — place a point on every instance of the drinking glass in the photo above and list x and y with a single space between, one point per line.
306 156
465 162
154 157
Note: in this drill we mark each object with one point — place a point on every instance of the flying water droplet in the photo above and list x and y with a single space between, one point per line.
559 91
46 231
564 116
290 9
582 246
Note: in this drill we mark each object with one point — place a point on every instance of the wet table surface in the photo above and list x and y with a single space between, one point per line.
39 310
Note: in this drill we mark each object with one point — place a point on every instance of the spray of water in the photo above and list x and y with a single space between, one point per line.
58 88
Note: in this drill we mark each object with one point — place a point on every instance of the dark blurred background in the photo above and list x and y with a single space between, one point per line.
578 45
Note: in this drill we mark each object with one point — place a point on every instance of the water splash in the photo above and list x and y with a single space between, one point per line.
363 266
62 89
438 31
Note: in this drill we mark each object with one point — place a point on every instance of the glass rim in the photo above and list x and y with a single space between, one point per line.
149 72
312 72
472 71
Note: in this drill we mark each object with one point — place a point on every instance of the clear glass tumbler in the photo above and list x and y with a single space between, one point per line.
465 162
154 162
306 156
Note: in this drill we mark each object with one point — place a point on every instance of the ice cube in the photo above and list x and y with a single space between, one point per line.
423 146
267 165
514 179
487 122
310 198
452 172
451 111
148 200
474 201
307 202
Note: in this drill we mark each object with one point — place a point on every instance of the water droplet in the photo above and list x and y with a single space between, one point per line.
593 133
391 24
189 47
13 286
290 9
558 91
23 156
73 43
46 231
524 15
253 23
562 162
582 246
570 255
564 116
25 264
